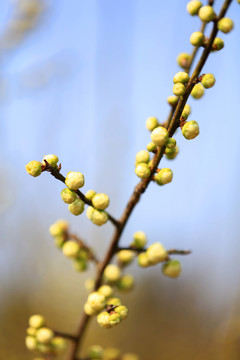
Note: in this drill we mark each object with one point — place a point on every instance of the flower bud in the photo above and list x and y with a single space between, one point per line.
139 240
59 240
197 91
151 123
143 260
225 25
172 100
31 331
190 130
208 81
34 168
90 194
183 60
218 44
122 311
44 348
59 344
114 319
171 143
125 283
179 89
89 212
89 310
130 356
99 217
74 180
83 254
77 207
181 77
164 176
96 300
193 7
51 159
59 228
103 320
172 268
70 249
112 273
125 257
95 352
206 13
171 153
114 301
142 170
160 136
80 265
36 321
197 38
100 201
68 196
44 335
186 111
31 342
151 147
156 253
111 354
89 284
142 156
106 290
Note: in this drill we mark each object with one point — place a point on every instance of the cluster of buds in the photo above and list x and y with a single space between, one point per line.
96 352
41 338
109 309
74 181
96 212
113 274
35 168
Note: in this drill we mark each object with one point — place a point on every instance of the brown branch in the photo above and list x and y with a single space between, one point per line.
65 336
55 172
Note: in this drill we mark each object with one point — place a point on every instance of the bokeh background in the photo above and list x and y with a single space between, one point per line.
78 79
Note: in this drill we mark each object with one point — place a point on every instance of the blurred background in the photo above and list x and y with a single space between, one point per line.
78 79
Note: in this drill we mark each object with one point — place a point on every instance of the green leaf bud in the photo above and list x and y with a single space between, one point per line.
36 321
172 100
59 344
125 257
190 130
59 240
89 212
31 331
90 194
114 319
114 301
100 201
172 268
160 135
89 310
193 7
103 320
142 170
59 228
225 25
77 207
142 156
143 260
208 81
139 240
181 77
171 153
68 196
31 342
206 14
164 176
125 283
112 273
34 168
122 311
74 180
151 123
44 335
106 290
70 249
51 159
179 89
99 217
95 352
130 356
197 91
156 253
218 44
111 354
171 144
197 38
96 300
186 111
83 254
151 147
44 348
183 60
80 265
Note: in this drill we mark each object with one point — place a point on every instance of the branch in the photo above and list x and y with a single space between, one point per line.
65 336
170 252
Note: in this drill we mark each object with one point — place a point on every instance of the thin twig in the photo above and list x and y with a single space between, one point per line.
170 252
83 245
65 335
